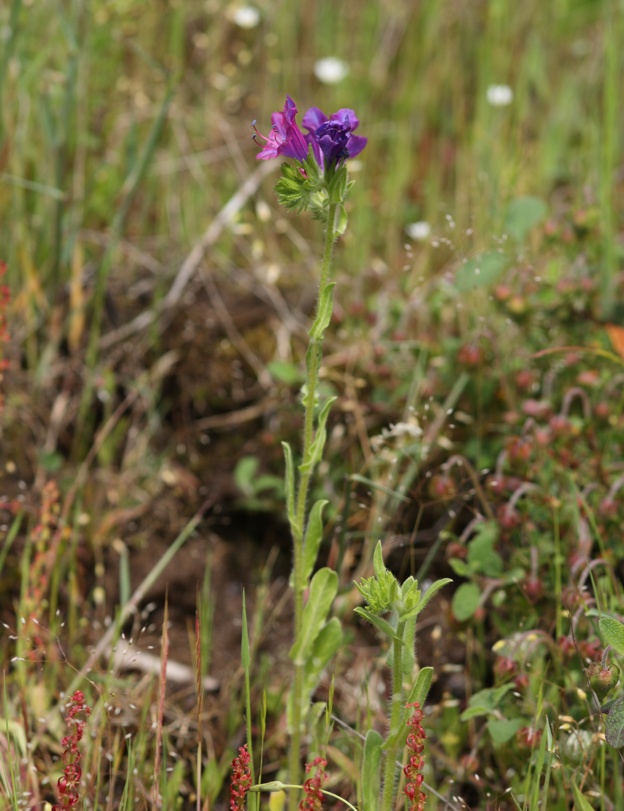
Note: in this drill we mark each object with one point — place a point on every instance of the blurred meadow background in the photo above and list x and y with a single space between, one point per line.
152 332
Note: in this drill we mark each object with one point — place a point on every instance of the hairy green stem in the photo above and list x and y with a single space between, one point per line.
313 364
396 713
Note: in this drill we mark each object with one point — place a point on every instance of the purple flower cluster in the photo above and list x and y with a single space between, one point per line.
331 139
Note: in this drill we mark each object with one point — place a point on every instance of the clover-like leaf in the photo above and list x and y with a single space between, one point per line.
614 724
612 631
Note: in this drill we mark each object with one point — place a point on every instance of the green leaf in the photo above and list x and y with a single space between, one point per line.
245 474
614 724
460 567
433 589
337 185
371 773
465 601
316 448
285 372
482 557
51 461
294 190
420 690
313 537
342 221
581 803
289 483
612 633
522 214
481 271
408 657
324 312
323 589
379 566
502 730
325 647
380 623
485 702
245 650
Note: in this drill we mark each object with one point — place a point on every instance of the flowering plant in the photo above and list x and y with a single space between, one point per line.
317 182
320 178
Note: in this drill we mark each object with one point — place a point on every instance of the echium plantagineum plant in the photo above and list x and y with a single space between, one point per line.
318 182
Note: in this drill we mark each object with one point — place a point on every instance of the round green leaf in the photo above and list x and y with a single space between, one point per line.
613 633
465 601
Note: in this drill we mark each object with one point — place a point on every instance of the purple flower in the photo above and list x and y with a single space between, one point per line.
331 138
285 138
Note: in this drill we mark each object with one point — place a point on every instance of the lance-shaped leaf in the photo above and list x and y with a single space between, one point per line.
420 690
316 448
325 647
431 592
338 185
371 774
408 655
581 803
313 536
378 562
323 589
342 220
289 481
324 312
312 541
380 623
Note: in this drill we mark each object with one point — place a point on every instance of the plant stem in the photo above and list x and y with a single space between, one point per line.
396 713
313 363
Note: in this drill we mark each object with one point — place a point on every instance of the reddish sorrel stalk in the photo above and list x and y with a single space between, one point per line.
240 782
413 768
77 713
312 786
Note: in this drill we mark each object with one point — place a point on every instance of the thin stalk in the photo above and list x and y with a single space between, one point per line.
11 31
74 36
395 719
609 157
313 363
558 578
277 785
246 662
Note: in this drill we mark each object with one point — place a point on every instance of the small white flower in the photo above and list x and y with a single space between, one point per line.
246 16
410 429
330 70
418 230
499 95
